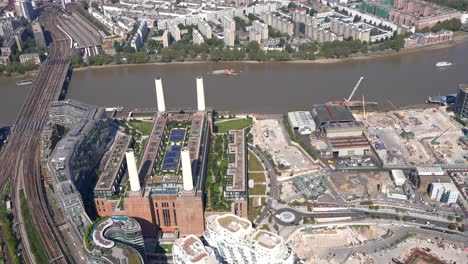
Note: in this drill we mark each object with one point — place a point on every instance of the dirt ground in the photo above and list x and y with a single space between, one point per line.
362 184
313 245
436 136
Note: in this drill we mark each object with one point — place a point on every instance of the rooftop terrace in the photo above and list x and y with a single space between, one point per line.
233 223
113 165
266 239
236 161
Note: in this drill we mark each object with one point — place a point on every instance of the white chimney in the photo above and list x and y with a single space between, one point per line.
200 94
186 169
132 171
160 95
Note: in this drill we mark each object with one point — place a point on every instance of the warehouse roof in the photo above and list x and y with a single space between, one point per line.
324 114
301 119
425 171
398 177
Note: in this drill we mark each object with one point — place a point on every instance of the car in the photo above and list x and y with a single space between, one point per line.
428 223
413 220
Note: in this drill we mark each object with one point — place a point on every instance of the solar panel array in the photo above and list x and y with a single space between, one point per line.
177 135
171 159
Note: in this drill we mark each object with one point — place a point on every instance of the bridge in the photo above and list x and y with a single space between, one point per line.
20 160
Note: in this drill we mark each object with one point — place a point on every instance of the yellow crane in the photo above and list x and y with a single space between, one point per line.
398 112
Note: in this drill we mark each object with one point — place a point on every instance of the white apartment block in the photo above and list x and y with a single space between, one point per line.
261 28
229 37
174 30
190 250
228 23
236 241
197 38
278 23
205 29
254 35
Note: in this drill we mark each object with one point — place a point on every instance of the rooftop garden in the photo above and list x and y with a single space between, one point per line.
224 125
216 170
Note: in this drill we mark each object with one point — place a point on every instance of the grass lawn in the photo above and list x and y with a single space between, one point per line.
164 248
257 177
224 127
254 163
253 212
143 126
258 190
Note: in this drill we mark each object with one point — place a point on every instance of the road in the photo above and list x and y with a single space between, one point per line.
20 160
273 184
358 215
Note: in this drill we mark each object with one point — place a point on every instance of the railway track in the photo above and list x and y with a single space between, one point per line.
20 161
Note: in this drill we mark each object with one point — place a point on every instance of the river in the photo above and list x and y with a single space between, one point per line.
405 79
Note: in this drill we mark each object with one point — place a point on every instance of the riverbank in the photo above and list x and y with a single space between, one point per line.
458 39
29 74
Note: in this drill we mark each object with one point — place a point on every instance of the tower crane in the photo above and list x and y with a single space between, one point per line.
354 90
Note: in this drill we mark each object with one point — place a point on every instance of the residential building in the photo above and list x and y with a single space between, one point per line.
116 234
190 250
254 35
205 29
38 35
197 38
236 174
7 28
228 23
461 104
30 58
229 38
174 30
443 192
281 24
260 28
4 60
140 35
421 39
24 9
114 169
236 241
164 38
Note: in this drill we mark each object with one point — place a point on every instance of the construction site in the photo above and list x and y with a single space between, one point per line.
314 245
360 184
415 137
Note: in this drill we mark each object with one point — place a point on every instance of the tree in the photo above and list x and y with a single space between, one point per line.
312 12
292 5
356 18
117 46
451 226
129 49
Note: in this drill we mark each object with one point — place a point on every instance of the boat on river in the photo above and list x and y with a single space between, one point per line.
24 82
